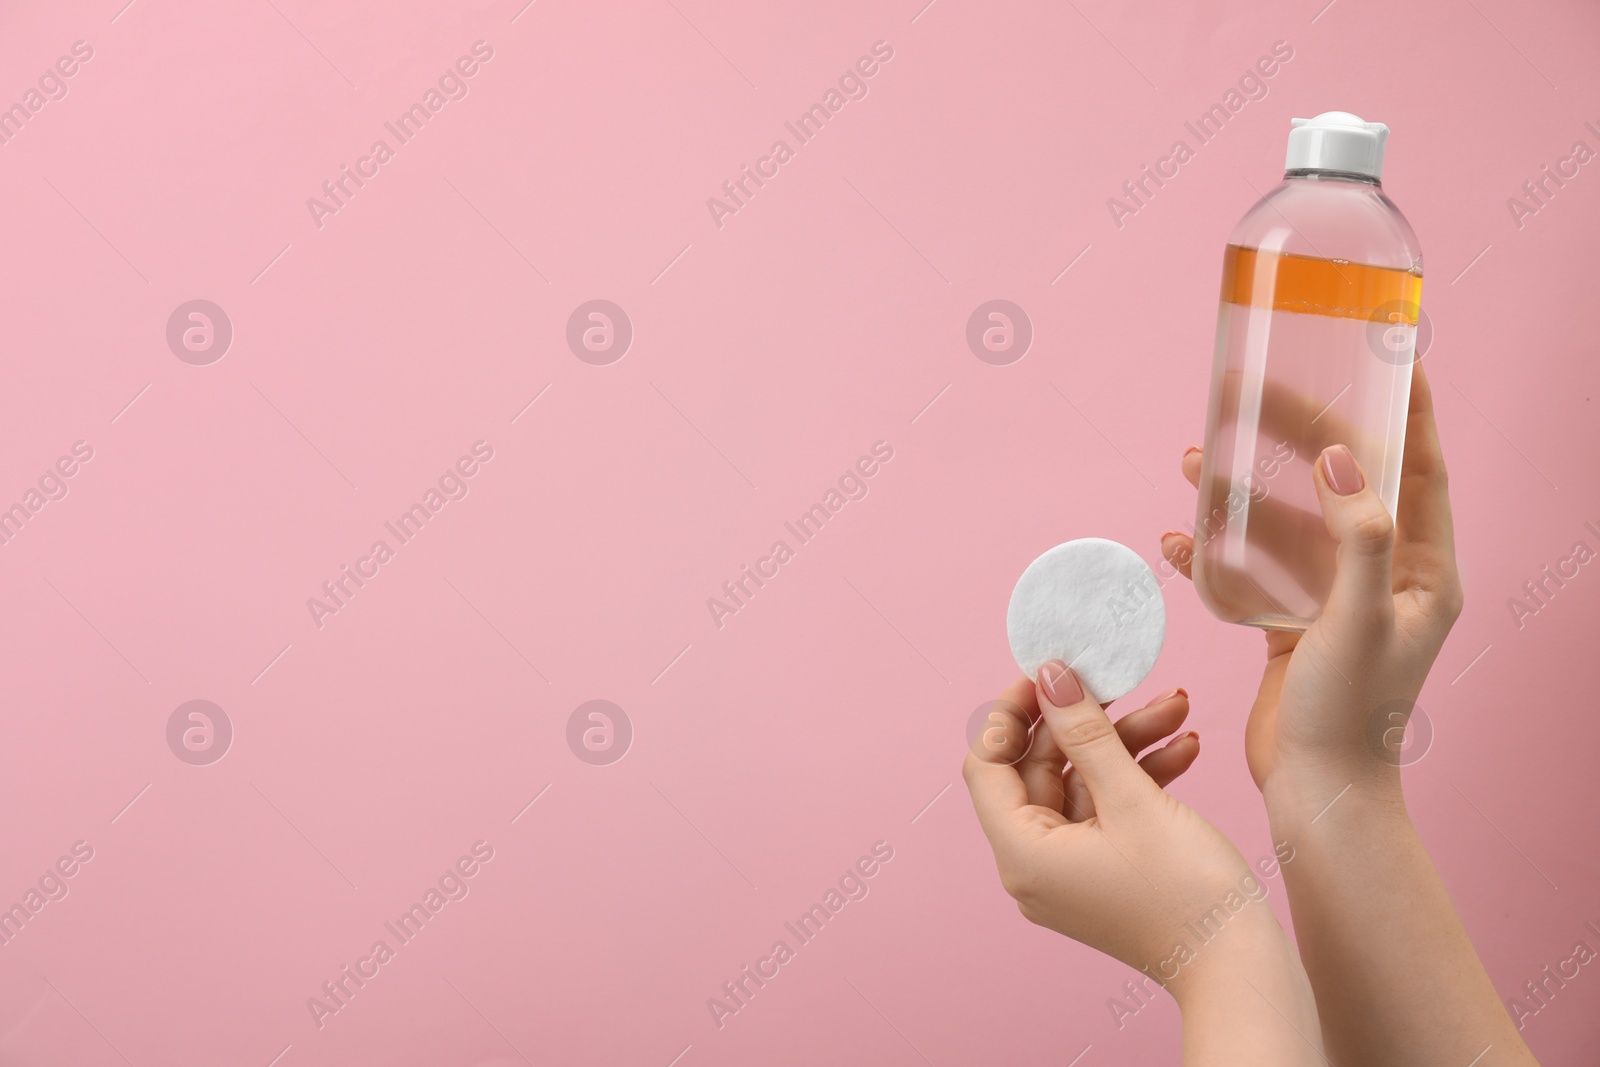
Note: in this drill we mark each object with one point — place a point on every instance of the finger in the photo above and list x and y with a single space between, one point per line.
1281 642
1178 550
1043 765
1138 730
1274 526
1362 584
1178 755
1309 423
1291 536
1085 735
990 768
1228 591
1192 460
1239 503
1007 733
1078 805
1160 718
1424 510
997 795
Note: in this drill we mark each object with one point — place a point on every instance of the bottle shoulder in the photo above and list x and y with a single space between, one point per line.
1339 220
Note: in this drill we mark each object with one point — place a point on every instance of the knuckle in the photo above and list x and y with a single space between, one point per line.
1088 732
1374 531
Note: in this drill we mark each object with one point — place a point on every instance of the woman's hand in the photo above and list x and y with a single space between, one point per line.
1334 701
1091 846
1086 839
1326 728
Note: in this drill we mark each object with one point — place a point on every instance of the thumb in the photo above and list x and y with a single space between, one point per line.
1081 730
1363 585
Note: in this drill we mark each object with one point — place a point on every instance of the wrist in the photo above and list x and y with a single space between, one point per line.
1298 798
1237 934
1250 1001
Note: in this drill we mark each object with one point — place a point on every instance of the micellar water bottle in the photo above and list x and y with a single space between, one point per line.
1316 335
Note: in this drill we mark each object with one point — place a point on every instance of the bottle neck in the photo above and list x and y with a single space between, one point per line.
1333 176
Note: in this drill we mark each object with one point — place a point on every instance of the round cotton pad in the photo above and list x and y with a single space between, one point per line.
1095 604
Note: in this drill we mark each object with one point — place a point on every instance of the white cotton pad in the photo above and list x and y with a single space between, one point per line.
1095 604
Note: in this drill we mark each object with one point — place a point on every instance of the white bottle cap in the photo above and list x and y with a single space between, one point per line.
1339 141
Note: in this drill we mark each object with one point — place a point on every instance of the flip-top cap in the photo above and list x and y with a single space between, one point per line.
1337 141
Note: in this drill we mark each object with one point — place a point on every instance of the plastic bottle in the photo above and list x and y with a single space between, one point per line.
1321 291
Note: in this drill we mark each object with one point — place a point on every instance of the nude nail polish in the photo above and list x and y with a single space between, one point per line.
1060 684
1339 467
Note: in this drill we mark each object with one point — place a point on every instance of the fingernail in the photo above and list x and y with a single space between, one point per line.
1341 470
1170 533
1061 686
1178 692
1180 737
1191 450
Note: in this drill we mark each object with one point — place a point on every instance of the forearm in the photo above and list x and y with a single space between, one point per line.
1397 980
1246 1001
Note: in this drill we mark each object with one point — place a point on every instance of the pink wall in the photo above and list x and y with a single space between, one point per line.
373 346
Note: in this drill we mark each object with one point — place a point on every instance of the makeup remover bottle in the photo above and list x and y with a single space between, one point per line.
1316 336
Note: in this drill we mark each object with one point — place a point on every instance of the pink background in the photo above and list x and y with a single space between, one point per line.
768 355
